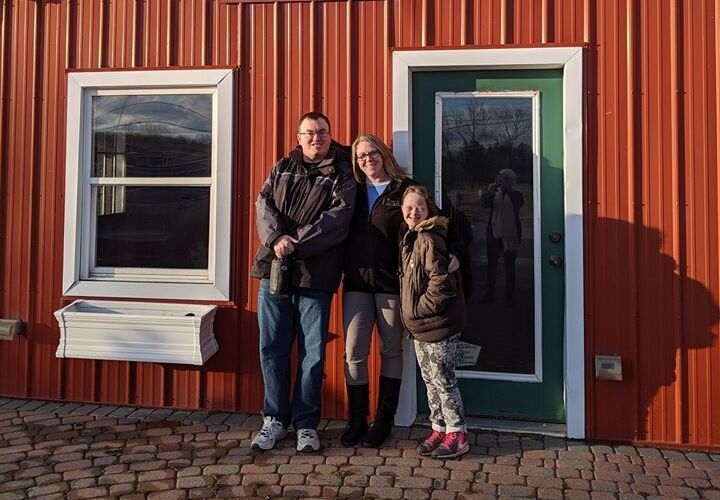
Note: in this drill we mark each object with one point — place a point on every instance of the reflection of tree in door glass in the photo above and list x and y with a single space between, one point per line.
481 136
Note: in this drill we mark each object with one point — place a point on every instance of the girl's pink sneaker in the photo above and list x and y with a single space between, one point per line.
454 445
431 442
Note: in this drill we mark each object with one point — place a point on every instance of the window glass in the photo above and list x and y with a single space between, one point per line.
152 227
166 135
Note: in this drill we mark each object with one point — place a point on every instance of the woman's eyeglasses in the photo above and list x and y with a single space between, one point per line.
371 154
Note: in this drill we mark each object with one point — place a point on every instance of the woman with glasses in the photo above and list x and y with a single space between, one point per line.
371 288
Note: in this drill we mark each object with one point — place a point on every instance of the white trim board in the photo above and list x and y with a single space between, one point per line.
570 60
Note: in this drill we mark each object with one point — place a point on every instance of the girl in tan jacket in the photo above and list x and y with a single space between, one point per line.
433 312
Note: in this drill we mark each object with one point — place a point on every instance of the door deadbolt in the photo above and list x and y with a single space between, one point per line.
555 261
555 237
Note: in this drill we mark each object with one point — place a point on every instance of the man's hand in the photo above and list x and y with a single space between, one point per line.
284 246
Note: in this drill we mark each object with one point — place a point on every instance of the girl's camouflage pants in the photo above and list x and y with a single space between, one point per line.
437 366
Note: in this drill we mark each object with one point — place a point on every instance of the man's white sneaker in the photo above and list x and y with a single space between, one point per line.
307 440
272 431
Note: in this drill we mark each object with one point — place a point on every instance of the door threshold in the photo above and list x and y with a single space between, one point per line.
504 425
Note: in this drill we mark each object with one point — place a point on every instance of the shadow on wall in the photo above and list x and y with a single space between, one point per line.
664 323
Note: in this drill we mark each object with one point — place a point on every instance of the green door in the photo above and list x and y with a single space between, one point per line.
471 132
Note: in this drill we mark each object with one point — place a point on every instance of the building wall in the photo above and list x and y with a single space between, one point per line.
651 239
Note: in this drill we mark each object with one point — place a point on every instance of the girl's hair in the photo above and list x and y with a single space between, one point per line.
433 209
391 166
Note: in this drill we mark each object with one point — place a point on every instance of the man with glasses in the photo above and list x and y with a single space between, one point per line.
303 216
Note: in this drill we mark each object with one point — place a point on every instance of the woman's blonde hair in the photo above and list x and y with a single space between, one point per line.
421 190
389 163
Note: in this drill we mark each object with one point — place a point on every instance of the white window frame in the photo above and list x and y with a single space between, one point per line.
80 277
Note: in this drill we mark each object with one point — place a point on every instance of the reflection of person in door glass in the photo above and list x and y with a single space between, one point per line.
503 230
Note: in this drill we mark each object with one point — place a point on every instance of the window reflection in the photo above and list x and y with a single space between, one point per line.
487 179
159 227
152 135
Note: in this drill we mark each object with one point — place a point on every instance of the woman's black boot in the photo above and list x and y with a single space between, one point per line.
388 397
357 427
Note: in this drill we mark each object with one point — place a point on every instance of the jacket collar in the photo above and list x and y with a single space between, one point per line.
433 223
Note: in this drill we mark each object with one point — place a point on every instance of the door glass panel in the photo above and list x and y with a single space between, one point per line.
486 178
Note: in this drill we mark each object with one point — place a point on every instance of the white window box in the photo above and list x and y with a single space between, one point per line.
137 331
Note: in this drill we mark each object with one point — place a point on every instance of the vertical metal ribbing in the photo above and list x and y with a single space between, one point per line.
168 30
676 32
424 24
503 21
71 35
635 213
315 95
586 21
545 21
277 107
104 38
206 33
717 101
137 37
387 98
349 69
463 22
35 177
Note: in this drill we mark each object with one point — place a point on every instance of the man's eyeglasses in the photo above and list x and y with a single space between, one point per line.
312 133
375 154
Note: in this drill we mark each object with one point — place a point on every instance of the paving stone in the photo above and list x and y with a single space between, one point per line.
322 479
350 492
32 472
167 495
417 494
193 482
159 415
88 482
111 479
402 461
382 481
89 453
684 473
678 492
47 489
139 413
433 472
151 486
505 478
383 492
20 484
515 491
14 404
13 495
82 493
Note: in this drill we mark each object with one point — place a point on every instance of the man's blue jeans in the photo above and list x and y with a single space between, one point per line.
304 314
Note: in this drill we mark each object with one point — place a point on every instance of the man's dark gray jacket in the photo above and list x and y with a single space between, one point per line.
313 204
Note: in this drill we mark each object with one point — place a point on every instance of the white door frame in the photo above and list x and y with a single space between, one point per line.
570 60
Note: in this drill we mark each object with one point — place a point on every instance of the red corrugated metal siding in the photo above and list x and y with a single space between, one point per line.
652 215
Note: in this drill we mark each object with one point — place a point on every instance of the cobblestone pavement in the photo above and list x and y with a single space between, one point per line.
74 451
